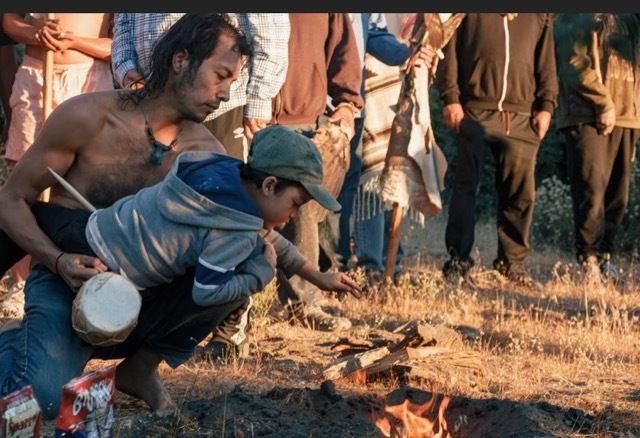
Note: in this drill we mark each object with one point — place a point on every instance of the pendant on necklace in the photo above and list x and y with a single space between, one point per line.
158 147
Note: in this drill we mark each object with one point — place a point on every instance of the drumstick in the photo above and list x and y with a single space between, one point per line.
81 199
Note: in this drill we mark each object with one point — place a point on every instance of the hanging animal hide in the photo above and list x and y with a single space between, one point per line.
413 175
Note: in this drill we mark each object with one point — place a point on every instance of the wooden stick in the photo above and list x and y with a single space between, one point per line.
76 194
47 90
393 241
47 94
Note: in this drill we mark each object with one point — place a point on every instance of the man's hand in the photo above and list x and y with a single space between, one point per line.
452 115
422 57
65 40
540 122
338 282
606 121
346 114
48 34
75 269
251 126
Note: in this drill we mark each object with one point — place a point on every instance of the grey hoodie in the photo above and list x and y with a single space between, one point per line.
161 231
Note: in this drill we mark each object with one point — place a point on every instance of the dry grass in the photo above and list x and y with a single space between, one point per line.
570 345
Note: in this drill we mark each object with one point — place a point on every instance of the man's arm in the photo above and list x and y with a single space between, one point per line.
123 52
98 48
575 63
545 65
382 44
270 37
447 73
57 148
17 27
344 72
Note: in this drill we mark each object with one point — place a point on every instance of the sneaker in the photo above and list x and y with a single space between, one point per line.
590 267
314 318
516 273
223 351
456 268
608 270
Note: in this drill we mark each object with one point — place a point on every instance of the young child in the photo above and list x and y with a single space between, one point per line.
212 212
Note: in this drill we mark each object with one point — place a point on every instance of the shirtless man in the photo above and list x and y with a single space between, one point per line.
107 145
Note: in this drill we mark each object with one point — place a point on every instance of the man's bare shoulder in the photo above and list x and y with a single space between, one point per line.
106 98
196 137
86 109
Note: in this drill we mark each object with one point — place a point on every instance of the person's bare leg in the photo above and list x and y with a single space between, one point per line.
137 376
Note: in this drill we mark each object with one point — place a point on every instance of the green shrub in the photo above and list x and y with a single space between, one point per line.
552 215
629 233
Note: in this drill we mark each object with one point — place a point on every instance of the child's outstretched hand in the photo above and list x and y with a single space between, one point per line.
338 282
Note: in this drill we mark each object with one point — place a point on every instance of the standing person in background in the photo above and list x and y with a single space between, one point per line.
498 87
81 46
372 38
249 108
599 115
327 64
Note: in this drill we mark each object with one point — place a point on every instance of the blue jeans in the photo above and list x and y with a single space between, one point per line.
371 235
46 353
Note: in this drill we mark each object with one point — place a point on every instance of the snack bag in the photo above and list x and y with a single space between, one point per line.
21 414
86 409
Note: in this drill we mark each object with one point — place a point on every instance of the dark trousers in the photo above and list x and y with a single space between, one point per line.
64 226
600 170
228 128
515 157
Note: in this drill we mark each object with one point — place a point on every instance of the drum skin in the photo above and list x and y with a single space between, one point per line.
105 309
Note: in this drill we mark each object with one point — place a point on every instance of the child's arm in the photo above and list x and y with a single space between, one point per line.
329 281
292 262
232 267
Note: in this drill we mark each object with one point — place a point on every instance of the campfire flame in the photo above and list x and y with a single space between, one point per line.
359 377
410 420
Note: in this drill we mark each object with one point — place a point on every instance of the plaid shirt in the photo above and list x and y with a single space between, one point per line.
135 34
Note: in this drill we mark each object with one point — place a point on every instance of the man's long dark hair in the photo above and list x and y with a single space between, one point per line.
198 35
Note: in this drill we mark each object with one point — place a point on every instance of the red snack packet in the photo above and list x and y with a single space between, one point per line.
21 414
86 409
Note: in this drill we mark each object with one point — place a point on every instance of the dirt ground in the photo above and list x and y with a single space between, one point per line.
278 391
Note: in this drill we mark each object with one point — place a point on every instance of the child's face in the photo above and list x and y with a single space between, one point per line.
279 208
